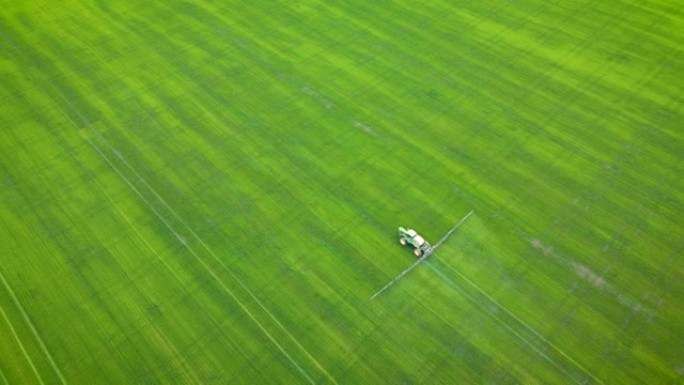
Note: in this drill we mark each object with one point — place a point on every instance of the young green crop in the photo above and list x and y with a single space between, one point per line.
197 192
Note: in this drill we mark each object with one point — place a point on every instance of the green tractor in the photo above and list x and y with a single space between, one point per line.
410 237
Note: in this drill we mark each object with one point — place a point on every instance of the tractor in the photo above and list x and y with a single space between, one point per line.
410 237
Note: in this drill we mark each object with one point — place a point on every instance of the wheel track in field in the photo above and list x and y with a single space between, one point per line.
168 267
3 378
30 324
38 83
525 325
189 371
441 317
207 268
506 325
210 251
21 345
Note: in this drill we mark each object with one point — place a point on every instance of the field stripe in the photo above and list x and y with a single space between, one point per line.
211 272
206 267
508 327
189 371
525 324
441 317
4 379
33 329
232 274
21 345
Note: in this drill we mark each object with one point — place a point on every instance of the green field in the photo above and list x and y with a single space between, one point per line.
208 192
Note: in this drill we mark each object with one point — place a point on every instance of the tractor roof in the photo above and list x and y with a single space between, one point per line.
411 233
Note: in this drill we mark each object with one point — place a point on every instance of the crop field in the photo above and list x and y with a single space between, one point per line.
208 192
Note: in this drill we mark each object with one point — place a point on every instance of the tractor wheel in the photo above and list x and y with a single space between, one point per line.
402 241
417 252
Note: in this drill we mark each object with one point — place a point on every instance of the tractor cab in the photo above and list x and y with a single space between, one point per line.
420 241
